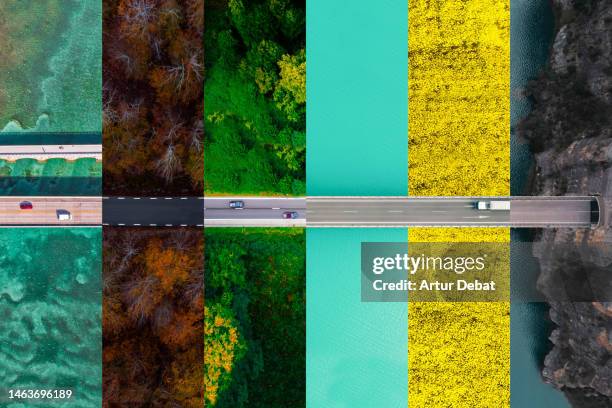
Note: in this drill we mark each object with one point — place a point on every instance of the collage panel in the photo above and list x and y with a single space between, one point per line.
51 308
153 97
357 125
254 186
566 362
255 113
153 332
459 145
152 317
255 319
50 152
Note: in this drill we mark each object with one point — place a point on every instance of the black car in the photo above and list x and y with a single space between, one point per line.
236 204
290 215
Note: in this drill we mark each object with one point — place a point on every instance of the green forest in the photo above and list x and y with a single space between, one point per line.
255 97
255 318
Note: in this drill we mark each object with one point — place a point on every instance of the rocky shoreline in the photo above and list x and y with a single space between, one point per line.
570 133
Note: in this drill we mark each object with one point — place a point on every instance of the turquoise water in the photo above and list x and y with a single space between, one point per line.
72 94
357 95
28 177
59 86
51 308
356 352
357 145
40 138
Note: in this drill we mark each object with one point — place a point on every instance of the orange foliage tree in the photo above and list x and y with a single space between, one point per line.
222 346
153 317
153 96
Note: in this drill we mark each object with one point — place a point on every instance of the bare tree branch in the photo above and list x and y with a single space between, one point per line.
138 16
169 165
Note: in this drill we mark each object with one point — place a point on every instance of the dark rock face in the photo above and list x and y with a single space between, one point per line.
570 132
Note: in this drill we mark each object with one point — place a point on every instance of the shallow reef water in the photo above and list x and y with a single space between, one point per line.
50 308
53 177
52 81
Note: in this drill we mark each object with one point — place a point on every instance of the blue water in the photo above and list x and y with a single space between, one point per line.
531 35
357 145
531 31
357 94
72 95
356 352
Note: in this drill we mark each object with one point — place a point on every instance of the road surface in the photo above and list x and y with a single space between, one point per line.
45 152
86 211
257 212
153 211
398 212
447 211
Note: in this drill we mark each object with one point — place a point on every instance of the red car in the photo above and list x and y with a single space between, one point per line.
25 205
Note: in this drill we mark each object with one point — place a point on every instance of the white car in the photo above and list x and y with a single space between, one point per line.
63 215
493 205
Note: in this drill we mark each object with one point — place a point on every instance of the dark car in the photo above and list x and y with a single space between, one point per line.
290 215
236 204
25 205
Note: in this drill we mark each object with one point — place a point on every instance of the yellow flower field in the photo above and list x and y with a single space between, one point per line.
459 144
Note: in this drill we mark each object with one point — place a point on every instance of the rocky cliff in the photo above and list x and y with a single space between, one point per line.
570 133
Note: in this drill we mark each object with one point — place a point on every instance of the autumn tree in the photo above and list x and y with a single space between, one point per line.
250 287
153 317
223 345
153 97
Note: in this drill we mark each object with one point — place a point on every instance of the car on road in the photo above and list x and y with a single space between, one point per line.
236 204
25 205
290 215
493 205
63 215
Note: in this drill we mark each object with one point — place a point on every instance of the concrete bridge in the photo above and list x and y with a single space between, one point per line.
329 212
46 152
524 212
44 211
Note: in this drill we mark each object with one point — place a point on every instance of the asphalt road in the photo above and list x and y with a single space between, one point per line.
257 211
153 211
444 211
196 211
567 212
